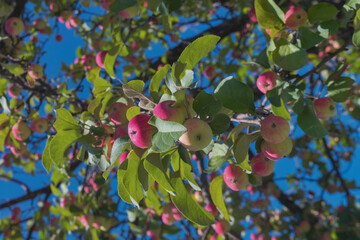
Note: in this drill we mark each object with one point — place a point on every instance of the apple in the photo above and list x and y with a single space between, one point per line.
274 129
276 151
117 113
266 81
221 227
295 18
34 39
129 12
167 111
210 72
105 4
252 15
261 165
170 214
135 46
198 135
20 151
13 90
59 38
140 131
65 15
123 157
214 237
39 24
88 61
198 196
39 125
14 26
235 178
152 234
35 71
324 107
120 131
7 160
211 208
100 58
21 131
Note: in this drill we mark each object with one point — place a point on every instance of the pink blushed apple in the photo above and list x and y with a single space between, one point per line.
274 129
21 131
123 157
117 113
59 38
14 90
211 208
39 125
295 17
210 72
120 131
266 81
35 71
261 165
140 131
14 26
88 61
166 110
39 24
276 151
198 134
324 107
130 12
235 178
100 58
252 15
221 227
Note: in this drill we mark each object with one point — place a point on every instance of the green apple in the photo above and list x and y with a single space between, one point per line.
198 135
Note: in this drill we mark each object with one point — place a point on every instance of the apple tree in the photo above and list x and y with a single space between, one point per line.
230 119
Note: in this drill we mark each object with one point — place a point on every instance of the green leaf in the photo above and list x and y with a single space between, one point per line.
156 81
46 159
193 53
117 148
339 89
328 28
168 132
167 6
290 57
241 146
206 104
5 106
244 165
58 145
101 86
322 12
131 179
186 173
269 15
154 167
235 95
65 121
217 157
169 81
217 195
281 111
14 69
132 112
123 193
111 56
262 59
220 123
309 122
187 205
137 85
307 38
187 79
119 5
144 103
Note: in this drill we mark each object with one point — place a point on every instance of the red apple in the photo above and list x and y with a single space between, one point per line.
221 227
276 151
123 157
59 38
210 72
261 165
167 111
140 131
100 58
13 90
117 113
295 17
21 131
35 71
14 26
274 129
266 81
39 125
324 107
211 208
235 178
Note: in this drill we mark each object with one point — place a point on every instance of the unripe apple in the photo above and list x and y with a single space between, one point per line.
266 81
235 178
261 165
117 113
140 131
295 17
123 157
35 71
100 58
129 12
324 107
198 135
39 24
59 38
21 131
39 125
221 227
14 26
276 151
167 111
274 129
210 72
211 208
14 90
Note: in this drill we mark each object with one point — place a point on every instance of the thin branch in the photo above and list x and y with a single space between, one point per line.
22 185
